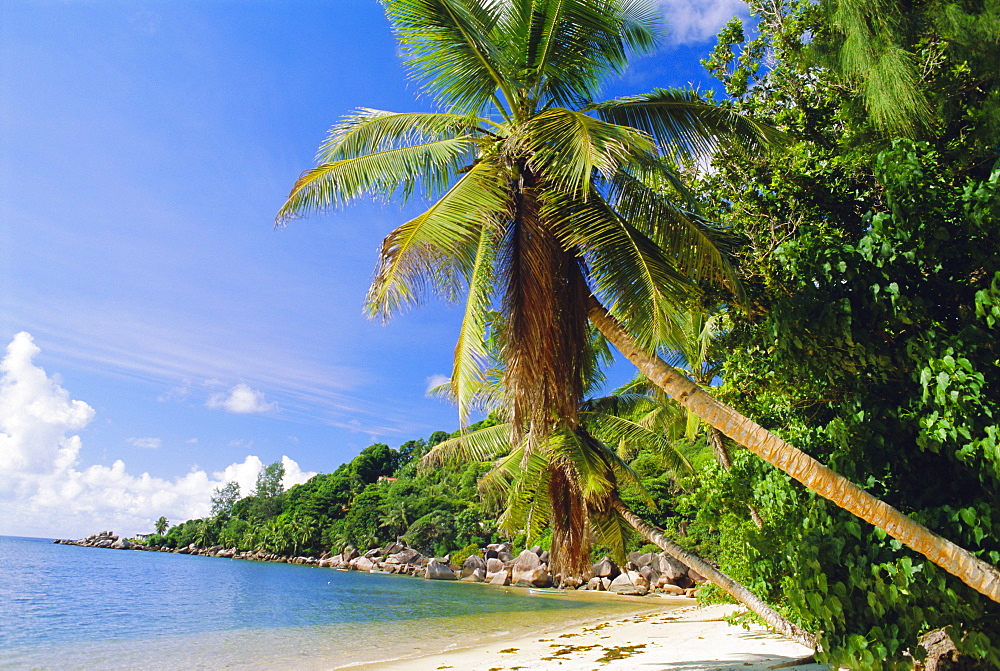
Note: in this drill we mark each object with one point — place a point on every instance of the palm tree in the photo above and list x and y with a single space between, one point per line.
395 518
543 197
541 204
161 525
518 480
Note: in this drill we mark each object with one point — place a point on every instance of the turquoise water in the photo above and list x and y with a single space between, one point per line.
66 607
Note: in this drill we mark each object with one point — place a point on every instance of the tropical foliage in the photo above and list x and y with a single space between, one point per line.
873 270
376 498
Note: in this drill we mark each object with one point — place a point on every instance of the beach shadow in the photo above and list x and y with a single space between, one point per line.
747 662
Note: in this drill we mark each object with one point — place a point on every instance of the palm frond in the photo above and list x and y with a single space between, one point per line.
380 174
450 47
440 245
632 273
701 250
686 126
568 146
614 429
612 531
629 404
471 351
569 45
367 131
590 471
482 445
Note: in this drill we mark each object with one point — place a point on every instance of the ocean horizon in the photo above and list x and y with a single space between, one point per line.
70 607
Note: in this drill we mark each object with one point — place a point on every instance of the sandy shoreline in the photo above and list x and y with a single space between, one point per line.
678 636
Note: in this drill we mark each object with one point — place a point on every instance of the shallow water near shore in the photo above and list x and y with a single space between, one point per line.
66 607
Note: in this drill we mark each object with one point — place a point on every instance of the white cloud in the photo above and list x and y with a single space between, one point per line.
293 474
176 393
695 21
241 400
35 415
145 443
45 492
436 381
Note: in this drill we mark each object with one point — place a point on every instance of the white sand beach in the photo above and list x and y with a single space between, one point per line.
681 637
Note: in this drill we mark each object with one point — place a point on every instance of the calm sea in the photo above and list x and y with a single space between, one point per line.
66 607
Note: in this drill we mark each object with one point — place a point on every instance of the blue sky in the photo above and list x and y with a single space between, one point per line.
174 333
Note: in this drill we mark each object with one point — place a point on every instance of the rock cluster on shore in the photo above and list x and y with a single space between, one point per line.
642 573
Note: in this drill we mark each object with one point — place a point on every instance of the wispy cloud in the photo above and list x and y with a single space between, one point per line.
696 21
42 489
183 358
241 400
145 443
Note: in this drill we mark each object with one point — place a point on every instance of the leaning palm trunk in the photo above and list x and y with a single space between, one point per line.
957 561
717 578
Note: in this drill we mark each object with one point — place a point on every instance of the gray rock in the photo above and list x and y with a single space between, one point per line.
638 580
439 571
471 564
536 577
501 578
505 556
544 557
392 548
672 568
606 569
596 584
647 559
493 565
477 575
525 567
622 585
406 556
696 577
537 549
361 564
673 590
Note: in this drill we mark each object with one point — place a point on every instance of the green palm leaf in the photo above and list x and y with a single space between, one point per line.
565 47
568 146
439 247
368 131
471 352
685 125
381 175
451 51
482 445
632 433
631 273
699 248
